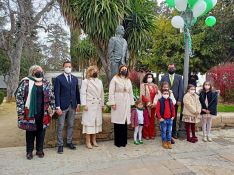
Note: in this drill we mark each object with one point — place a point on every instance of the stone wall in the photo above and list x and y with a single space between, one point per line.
221 121
79 138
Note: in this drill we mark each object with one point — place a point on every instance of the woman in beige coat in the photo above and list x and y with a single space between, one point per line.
92 100
191 112
121 99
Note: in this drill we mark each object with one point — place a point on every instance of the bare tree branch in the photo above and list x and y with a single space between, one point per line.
47 8
12 18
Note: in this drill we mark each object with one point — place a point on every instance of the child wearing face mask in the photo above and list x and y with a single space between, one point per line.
209 101
139 118
165 111
191 112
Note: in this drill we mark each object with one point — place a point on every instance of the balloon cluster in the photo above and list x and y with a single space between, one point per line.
198 8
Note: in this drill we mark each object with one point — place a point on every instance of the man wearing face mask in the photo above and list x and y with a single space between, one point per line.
67 101
176 85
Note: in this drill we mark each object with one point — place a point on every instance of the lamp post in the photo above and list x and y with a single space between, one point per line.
188 23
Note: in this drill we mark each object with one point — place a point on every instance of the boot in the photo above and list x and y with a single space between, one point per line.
164 145
88 144
94 142
169 145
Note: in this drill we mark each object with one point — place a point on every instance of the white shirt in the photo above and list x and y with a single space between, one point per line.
66 75
140 116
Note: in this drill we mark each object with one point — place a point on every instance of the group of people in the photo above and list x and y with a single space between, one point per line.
37 102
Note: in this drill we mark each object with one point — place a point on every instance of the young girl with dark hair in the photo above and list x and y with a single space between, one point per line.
209 101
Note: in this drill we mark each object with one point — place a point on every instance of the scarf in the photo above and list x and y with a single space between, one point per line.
31 101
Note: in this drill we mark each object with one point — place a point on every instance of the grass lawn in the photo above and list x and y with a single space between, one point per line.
225 108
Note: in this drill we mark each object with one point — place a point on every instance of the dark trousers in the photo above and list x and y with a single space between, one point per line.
39 134
187 127
120 134
174 131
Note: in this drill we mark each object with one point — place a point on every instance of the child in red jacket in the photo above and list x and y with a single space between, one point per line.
165 111
139 118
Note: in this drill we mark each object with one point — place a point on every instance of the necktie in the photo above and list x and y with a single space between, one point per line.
69 79
171 79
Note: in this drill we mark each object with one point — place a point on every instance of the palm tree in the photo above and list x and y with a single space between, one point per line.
99 18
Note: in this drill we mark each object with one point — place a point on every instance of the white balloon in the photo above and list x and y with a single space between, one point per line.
181 5
177 22
199 8
214 2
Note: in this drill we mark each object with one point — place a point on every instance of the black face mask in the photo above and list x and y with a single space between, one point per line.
95 75
171 71
38 74
124 72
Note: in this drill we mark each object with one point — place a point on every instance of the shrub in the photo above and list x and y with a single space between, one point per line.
222 77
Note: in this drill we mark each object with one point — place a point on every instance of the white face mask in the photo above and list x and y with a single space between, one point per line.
149 80
192 91
67 70
166 96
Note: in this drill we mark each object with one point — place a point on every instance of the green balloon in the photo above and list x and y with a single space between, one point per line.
170 3
210 21
209 5
192 3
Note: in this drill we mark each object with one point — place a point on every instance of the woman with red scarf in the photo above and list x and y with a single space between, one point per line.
147 93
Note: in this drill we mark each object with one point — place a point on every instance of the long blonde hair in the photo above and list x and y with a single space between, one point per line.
90 70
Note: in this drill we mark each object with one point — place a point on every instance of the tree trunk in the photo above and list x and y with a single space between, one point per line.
14 72
105 62
157 77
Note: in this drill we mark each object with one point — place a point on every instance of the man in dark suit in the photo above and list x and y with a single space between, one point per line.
176 84
67 101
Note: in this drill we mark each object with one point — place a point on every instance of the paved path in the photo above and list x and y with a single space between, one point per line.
148 159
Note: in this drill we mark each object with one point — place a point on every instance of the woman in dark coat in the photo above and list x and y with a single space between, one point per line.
35 106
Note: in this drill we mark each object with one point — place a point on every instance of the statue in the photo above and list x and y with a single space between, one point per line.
118 50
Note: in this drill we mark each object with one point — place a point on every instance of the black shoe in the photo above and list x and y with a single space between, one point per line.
29 156
40 154
172 141
60 149
71 146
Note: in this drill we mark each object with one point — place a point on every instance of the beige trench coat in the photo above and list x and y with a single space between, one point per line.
92 96
121 95
191 105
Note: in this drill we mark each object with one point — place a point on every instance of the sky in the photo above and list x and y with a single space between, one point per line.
52 17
